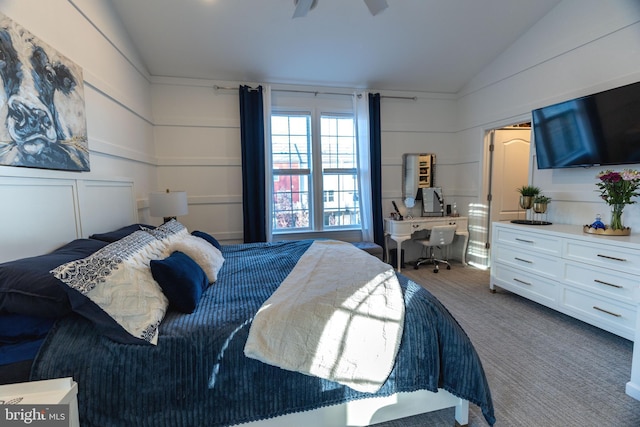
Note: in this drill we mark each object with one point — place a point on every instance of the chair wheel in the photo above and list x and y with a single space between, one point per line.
435 270
448 267
415 267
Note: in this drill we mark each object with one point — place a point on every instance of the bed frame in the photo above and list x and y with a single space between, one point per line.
41 212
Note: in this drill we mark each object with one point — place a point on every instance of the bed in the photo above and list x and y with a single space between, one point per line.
194 370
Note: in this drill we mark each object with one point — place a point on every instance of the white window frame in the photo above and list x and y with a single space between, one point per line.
316 191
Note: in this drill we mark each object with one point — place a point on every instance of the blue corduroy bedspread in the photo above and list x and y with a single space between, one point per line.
197 375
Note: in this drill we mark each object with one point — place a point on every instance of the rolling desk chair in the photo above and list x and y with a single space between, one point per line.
441 237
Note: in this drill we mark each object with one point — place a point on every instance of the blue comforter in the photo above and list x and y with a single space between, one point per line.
198 375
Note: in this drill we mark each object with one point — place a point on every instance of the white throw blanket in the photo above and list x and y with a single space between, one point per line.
339 315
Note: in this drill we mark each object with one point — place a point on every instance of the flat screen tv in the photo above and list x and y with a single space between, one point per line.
599 129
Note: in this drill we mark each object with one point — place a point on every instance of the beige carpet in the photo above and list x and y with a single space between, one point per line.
544 368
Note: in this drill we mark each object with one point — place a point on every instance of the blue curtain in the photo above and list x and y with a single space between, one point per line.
254 208
375 156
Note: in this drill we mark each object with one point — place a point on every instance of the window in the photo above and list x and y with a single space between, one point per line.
315 172
329 196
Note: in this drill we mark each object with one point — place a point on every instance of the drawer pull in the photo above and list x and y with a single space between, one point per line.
523 260
522 281
606 311
524 240
611 257
608 284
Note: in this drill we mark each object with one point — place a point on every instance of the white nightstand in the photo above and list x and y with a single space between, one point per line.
57 391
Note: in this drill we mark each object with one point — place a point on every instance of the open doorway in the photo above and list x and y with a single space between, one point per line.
508 169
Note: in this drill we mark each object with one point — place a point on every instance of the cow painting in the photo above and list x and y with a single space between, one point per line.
42 118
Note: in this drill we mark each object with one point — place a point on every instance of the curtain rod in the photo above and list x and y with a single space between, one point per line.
316 93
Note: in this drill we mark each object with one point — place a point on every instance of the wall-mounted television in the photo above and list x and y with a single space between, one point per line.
599 129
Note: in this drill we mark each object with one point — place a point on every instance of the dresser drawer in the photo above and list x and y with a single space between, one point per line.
529 285
398 227
529 241
604 255
613 316
461 223
603 281
531 261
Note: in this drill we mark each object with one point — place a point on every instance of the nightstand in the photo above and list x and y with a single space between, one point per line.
56 391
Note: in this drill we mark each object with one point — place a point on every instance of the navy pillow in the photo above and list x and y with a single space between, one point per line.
209 238
182 280
27 287
19 352
118 234
19 327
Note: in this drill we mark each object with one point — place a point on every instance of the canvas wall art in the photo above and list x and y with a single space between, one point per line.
42 113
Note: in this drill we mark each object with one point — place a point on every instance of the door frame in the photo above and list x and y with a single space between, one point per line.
487 168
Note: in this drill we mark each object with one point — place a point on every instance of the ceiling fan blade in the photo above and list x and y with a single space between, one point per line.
302 7
376 6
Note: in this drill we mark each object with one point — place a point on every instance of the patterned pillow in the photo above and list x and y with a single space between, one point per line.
168 233
168 229
115 290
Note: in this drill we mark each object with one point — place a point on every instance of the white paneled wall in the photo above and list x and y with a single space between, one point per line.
197 136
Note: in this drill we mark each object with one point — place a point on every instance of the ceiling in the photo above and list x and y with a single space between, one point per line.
414 45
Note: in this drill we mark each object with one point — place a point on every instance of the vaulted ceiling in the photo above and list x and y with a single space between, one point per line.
414 45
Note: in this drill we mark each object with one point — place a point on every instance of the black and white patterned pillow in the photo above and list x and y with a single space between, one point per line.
114 288
169 233
168 229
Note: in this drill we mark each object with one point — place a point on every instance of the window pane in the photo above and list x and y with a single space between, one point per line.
341 204
338 142
290 202
291 141
299 125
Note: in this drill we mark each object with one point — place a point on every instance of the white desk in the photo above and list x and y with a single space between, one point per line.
399 231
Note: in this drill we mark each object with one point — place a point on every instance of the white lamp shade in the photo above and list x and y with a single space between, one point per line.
168 204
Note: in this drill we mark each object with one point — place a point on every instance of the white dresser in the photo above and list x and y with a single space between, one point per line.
593 278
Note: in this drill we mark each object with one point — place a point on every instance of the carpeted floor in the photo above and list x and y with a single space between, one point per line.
544 368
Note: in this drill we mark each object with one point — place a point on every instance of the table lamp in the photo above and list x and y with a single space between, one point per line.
168 204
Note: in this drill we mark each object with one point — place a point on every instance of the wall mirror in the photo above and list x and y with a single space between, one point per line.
417 173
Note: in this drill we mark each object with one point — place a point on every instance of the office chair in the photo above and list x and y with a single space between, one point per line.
441 237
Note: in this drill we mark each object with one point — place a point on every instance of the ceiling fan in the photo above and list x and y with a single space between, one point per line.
304 6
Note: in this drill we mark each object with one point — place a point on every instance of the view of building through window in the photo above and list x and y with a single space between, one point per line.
314 191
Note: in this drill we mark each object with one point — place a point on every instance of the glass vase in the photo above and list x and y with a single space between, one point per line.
616 216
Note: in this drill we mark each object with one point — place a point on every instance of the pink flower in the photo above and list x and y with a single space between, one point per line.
617 188
610 177
630 175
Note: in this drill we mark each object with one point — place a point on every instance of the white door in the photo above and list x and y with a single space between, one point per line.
510 170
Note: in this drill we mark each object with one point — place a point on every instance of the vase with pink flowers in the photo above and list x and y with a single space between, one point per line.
618 189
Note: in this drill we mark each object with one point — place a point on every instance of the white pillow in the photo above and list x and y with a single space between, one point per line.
207 256
168 233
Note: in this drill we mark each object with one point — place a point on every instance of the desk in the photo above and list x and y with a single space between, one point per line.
399 231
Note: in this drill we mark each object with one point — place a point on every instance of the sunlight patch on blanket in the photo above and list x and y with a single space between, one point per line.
339 315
